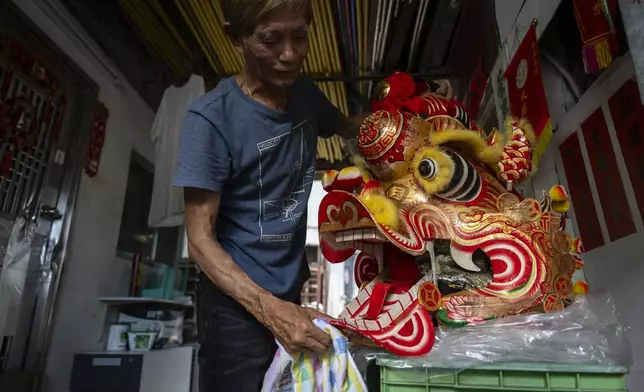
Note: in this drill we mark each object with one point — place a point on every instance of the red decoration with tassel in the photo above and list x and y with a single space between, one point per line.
526 93
97 140
595 23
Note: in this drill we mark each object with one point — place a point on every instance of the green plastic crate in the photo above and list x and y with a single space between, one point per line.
504 378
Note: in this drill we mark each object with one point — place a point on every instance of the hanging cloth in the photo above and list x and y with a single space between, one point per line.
166 207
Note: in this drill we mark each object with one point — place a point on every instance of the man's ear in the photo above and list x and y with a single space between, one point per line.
236 41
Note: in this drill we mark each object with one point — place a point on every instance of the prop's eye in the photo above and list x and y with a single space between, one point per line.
433 169
427 169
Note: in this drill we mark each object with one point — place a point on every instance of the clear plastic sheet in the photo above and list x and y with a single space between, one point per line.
585 333
16 239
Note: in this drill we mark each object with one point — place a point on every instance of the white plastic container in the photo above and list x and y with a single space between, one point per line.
141 341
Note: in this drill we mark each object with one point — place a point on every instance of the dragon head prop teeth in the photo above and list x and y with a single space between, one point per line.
441 236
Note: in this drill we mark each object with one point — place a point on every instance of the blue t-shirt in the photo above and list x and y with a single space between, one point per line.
262 161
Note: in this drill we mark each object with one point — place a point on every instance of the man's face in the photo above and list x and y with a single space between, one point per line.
277 48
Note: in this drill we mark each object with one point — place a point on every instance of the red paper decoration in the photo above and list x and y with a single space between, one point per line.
22 60
612 197
97 139
20 122
580 193
19 125
596 27
627 112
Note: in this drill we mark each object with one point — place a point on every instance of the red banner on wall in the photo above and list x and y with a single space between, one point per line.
580 195
627 112
612 197
525 91
595 22
594 18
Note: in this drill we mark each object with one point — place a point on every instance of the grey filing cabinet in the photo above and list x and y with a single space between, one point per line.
168 370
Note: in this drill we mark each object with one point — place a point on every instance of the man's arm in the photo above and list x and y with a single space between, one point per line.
350 126
332 120
291 324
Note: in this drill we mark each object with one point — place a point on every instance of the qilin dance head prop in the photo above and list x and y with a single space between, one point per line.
441 235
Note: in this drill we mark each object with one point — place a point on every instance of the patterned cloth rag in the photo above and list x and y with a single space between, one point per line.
334 371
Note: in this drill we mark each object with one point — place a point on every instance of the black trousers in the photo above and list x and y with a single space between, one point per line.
235 349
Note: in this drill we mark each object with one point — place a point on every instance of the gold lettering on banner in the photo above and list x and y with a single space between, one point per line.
598 7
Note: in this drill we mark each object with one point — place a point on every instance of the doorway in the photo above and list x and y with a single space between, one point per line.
46 108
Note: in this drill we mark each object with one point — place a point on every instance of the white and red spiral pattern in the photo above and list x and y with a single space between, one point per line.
365 269
411 335
516 270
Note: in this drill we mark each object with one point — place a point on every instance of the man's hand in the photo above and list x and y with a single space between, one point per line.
350 128
292 325
314 314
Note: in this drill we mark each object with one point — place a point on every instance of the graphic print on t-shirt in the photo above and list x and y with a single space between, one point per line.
279 218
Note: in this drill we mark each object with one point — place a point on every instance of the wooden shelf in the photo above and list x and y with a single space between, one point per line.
143 300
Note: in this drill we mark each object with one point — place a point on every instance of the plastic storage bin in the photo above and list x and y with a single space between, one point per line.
504 378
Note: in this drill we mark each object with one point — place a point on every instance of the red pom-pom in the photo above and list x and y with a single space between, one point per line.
401 88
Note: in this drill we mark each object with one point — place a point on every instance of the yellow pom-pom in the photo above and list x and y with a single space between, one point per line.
383 210
328 178
558 194
561 206
580 288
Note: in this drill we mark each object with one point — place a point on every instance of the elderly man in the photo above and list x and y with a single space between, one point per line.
246 164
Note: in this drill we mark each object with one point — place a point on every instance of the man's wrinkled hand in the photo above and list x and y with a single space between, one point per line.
293 327
315 314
